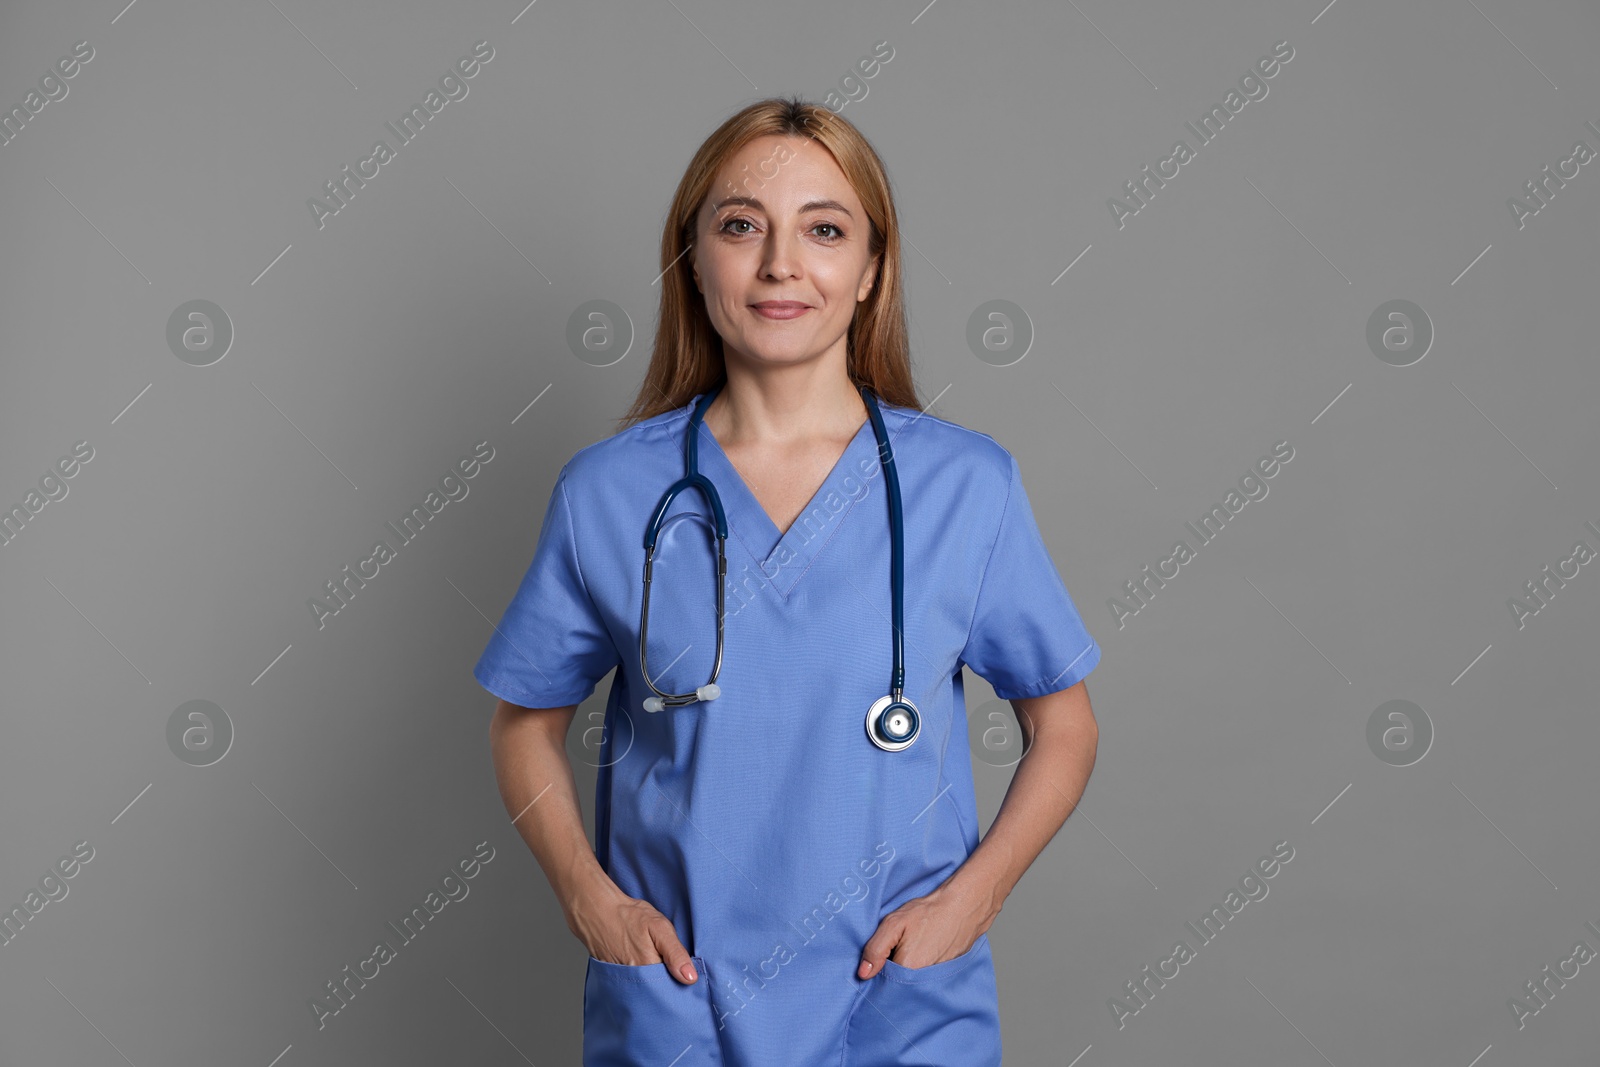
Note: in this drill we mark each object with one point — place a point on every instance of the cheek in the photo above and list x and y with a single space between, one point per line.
729 317
712 292
839 281
832 291
730 306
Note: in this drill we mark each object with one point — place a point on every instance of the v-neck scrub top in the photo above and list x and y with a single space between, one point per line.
765 824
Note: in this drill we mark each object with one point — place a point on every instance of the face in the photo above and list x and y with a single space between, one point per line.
799 237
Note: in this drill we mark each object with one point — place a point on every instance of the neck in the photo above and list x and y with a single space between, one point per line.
777 405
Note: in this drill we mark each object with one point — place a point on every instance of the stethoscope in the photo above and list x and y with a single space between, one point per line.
892 721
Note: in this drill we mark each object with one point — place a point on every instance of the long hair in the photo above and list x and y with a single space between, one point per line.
687 356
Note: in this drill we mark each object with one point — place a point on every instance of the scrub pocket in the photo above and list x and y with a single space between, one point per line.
932 1016
634 1016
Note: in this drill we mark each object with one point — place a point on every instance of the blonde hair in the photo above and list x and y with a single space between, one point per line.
687 356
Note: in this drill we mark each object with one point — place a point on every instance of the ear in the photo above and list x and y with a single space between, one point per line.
870 279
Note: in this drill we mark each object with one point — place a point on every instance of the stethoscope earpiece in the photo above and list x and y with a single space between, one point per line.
709 691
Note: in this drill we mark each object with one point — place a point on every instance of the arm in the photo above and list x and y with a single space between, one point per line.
1059 735
540 795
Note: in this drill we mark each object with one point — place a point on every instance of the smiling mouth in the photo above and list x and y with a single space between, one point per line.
780 309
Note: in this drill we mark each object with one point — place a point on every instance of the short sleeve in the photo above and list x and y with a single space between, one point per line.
551 647
1027 638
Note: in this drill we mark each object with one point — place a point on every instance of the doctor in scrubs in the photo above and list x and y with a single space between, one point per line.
769 885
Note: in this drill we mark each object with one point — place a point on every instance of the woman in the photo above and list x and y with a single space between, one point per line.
778 878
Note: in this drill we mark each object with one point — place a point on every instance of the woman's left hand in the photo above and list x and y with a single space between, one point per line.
930 929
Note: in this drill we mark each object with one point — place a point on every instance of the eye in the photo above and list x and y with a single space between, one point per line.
738 220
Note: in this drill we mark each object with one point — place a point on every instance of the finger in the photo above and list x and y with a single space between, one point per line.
877 949
675 956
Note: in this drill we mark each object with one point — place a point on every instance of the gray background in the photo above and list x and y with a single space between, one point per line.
1229 314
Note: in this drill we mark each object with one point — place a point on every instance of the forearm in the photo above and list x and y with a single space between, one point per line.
541 796
1049 780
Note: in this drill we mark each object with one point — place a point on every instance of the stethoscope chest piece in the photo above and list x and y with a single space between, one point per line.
892 723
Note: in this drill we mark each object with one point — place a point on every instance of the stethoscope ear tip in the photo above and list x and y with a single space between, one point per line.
709 691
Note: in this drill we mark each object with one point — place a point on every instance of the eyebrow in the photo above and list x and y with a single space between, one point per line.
808 206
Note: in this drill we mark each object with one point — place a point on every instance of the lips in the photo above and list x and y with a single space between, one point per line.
781 309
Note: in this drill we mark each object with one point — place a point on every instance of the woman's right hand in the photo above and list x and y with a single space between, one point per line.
530 760
617 928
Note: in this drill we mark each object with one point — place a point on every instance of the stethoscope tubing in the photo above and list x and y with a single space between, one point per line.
896 544
693 479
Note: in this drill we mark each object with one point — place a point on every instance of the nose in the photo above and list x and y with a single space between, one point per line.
779 255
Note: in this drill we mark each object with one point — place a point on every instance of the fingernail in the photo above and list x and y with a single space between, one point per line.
865 969
687 970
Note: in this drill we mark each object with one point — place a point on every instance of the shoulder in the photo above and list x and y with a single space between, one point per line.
597 464
951 449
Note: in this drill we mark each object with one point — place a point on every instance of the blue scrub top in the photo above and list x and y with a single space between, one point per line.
765 824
